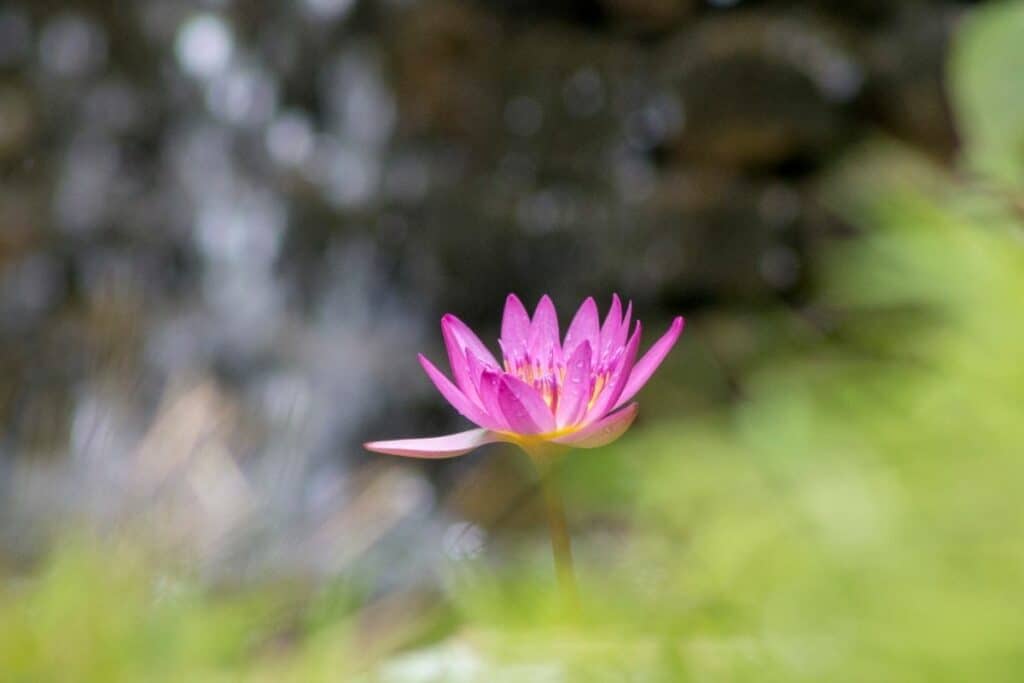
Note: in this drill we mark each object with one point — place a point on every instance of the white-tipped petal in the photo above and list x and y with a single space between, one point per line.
435 447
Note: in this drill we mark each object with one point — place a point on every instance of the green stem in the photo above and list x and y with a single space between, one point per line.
558 528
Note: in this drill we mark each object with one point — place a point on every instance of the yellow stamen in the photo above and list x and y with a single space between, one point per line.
598 386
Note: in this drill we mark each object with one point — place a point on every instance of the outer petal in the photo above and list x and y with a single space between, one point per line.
623 332
616 381
575 388
585 327
467 339
646 366
451 393
459 363
544 338
436 447
515 328
524 409
610 328
476 370
602 432
490 382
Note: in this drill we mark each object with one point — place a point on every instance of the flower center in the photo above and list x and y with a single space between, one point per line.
548 376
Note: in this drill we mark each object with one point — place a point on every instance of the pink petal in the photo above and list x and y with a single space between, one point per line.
623 331
435 447
490 382
523 408
544 337
602 432
475 370
451 393
458 363
515 328
575 388
612 323
616 381
585 327
467 339
646 366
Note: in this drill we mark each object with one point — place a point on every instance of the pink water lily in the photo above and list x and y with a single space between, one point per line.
548 392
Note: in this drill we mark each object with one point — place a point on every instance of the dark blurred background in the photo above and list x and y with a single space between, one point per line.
227 226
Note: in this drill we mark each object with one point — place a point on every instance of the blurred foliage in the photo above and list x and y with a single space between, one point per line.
990 103
855 517
116 617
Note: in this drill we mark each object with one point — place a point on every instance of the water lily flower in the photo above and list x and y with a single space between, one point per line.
548 393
